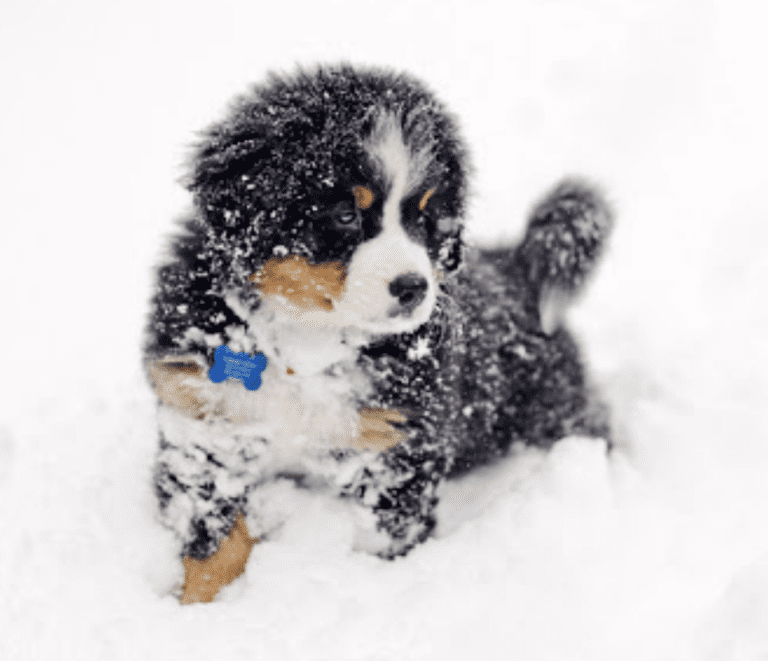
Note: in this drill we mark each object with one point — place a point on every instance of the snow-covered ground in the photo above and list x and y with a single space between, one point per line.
657 552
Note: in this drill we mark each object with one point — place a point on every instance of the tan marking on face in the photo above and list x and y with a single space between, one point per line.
425 198
307 286
289 371
168 376
363 196
376 431
204 578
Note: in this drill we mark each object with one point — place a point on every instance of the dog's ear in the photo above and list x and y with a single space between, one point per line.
222 172
226 157
452 252
451 223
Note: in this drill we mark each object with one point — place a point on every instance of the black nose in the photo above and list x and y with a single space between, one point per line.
409 289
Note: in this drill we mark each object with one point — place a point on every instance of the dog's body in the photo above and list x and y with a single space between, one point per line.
326 235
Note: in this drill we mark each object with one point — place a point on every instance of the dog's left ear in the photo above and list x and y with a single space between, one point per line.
451 253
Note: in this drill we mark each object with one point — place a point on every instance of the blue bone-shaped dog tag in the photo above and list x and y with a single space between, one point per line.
228 363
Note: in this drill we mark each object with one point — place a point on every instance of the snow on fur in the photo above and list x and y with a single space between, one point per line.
657 552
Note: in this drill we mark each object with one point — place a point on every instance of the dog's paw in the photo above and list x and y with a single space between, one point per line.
168 378
204 578
376 431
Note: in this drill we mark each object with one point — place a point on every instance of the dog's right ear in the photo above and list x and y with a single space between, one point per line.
225 156
223 170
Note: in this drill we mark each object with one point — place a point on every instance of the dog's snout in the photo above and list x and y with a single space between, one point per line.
409 289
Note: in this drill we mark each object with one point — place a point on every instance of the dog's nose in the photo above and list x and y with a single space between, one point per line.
409 289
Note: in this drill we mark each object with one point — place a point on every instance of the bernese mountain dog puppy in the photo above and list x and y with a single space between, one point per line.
320 325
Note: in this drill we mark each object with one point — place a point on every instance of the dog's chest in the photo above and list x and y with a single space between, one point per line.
310 394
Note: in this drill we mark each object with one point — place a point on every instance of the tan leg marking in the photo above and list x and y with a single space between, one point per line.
305 285
168 375
204 578
376 432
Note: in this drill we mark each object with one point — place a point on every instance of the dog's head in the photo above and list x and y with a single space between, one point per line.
337 196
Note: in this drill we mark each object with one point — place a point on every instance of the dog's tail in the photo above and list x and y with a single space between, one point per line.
566 236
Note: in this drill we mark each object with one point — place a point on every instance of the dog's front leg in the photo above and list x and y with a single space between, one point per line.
204 578
399 489
202 481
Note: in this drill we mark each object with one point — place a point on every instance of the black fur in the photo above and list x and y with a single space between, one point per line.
290 151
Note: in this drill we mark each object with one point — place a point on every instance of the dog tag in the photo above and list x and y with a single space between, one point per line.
242 366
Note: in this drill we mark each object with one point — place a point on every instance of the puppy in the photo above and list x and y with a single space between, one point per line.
325 245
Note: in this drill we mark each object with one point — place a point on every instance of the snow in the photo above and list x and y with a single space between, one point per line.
421 350
659 551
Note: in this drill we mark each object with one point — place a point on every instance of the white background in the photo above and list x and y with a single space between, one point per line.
659 552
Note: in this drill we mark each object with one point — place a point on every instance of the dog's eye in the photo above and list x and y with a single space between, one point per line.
345 214
425 198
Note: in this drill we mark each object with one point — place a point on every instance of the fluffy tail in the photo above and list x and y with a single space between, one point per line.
565 237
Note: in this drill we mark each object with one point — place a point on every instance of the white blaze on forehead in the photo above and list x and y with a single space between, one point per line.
367 301
404 168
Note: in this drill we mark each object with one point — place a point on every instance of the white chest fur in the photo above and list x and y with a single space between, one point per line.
311 389
251 442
